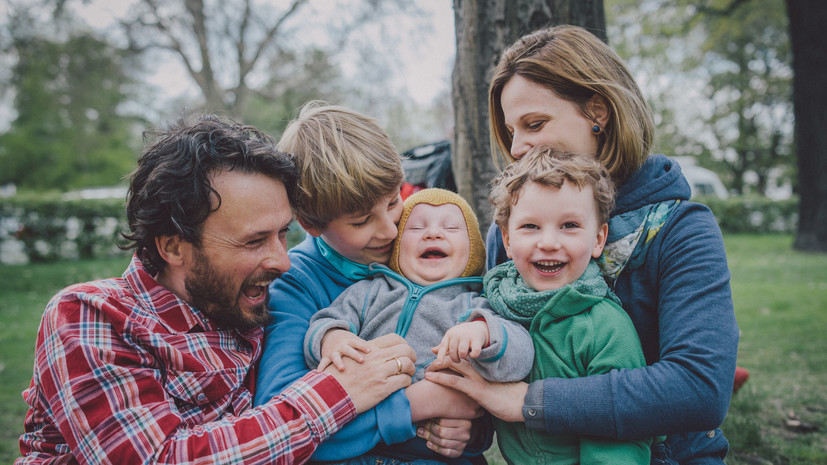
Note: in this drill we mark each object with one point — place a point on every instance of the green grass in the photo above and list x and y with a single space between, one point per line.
24 293
781 305
780 301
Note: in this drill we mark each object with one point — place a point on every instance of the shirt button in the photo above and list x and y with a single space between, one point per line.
531 412
711 434
202 397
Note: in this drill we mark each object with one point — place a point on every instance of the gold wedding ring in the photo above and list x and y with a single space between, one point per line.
398 366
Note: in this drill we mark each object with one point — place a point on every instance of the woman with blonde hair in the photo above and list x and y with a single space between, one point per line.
665 257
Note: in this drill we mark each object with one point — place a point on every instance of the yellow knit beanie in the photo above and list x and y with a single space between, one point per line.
437 197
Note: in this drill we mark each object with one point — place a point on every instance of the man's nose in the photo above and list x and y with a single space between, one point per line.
277 259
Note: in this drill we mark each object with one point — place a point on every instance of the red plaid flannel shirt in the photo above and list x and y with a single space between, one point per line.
125 372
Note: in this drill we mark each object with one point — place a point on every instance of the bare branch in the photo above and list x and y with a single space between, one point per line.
271 33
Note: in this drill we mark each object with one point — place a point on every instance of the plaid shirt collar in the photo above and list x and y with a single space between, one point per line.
173 313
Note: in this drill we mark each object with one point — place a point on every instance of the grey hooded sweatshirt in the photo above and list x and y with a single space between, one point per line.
390 303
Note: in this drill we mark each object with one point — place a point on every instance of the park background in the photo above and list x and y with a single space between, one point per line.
82 80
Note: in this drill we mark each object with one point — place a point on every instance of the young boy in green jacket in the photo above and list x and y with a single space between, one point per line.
553 209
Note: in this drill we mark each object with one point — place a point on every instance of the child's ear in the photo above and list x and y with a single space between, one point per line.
312 230
602 233
172 249
506 244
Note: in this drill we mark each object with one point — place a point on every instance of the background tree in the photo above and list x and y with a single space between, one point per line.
483 29
295 78
71 129
746 52
807 20
718 76
219 43
248 60
229 48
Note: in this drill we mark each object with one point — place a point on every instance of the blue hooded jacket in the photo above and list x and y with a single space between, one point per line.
312 283
680 302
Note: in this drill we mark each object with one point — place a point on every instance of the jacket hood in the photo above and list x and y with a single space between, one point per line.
658 180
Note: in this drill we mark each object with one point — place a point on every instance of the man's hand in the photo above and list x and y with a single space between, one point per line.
338 343
503 400
386 368
462 341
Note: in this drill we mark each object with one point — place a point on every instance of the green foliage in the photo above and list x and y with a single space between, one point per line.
754 214
747 53
718 76
51 228
296 78
68 132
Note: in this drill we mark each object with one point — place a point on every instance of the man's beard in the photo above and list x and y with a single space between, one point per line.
214 294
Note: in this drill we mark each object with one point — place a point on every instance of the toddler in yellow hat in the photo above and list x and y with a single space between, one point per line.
429 294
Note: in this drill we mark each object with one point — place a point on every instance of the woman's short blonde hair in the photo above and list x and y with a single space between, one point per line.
548 167
577 66
346 162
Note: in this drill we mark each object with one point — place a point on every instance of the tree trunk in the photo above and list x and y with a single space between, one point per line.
484 28
807 19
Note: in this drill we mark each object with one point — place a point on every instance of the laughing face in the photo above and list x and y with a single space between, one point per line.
553 233
243 248
434 245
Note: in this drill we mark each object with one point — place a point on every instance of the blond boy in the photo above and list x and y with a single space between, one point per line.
350 176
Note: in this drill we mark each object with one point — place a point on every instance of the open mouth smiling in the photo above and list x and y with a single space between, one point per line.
433 254
549 266
255 290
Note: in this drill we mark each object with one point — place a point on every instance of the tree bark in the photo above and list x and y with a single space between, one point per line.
484 28
807 19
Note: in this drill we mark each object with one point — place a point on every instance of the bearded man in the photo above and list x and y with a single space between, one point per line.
158 365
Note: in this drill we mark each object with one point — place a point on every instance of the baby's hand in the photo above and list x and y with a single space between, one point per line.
338 343
462 341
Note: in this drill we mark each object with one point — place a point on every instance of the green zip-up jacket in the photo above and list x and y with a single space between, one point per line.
576 335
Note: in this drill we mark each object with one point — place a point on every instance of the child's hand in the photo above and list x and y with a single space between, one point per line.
462 341
338 343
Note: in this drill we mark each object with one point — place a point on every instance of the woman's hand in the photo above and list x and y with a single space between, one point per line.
446 436
430 400
503 400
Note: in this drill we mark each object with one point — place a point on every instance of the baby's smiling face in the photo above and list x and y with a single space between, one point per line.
434 244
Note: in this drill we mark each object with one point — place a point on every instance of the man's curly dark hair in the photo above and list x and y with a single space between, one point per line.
170 192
